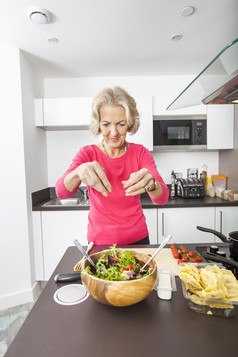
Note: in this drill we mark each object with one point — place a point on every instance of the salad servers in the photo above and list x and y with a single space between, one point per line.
78 266
81 249
165 241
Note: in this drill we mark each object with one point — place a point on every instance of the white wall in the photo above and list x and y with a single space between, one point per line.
87 87
23 169
34 150
62 146
15 269
181 161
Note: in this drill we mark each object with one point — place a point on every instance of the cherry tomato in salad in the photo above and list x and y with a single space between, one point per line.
183 250
199 259
191 254
121 270
172 246
176 255
194 260
116 260
129 267
179 261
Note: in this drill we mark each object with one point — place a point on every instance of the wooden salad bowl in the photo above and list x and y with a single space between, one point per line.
120 293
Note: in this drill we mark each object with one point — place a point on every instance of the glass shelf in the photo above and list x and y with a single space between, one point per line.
215 83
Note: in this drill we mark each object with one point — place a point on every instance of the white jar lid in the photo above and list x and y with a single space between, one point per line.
71 294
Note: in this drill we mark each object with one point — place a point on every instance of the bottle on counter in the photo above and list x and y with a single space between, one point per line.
172 192
209 188
178 176
204 174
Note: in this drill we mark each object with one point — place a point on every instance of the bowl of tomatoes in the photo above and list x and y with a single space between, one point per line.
182 255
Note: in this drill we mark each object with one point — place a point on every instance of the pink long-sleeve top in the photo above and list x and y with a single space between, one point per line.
117 218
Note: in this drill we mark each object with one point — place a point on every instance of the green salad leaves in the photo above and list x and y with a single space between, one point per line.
117 265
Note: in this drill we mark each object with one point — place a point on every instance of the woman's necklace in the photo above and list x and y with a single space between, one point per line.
104 150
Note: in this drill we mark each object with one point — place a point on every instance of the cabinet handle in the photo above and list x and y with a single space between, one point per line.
220 221
163 224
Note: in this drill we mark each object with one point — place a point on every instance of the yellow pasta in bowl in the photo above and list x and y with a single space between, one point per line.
210 289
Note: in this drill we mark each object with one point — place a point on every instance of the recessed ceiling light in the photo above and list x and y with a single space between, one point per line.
176 37
187 11
53 40
39 15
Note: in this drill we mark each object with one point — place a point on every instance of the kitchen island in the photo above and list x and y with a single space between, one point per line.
152 327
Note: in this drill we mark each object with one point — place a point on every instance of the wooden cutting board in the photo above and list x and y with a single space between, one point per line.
164 258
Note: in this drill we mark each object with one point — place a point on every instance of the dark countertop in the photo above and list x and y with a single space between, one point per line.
42 196
152 327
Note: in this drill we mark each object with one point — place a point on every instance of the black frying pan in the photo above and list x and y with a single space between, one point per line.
232 240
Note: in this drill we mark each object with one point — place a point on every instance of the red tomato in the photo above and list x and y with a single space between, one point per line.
179 261
176 255
184 250
172 246
194 260
121 270
149 255
184 259
116 259
199 259
191 254
129 267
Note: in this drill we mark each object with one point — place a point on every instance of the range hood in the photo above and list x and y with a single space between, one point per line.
216 84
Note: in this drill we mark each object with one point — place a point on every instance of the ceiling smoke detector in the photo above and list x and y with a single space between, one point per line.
39 15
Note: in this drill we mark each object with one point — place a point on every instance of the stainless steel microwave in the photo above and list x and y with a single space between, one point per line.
179 133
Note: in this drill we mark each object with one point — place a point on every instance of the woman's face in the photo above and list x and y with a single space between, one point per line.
113 125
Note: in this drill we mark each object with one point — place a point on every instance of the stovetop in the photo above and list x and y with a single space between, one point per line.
225 249
206 249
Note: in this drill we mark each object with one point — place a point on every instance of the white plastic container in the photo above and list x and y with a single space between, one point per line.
165 284
219 183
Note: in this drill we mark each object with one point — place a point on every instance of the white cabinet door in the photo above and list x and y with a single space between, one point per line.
160 103
59 229
144 135
220 126
63 112
151 220
226 220
38 246
181 223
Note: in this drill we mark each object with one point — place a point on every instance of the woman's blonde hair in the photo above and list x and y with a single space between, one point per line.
116 96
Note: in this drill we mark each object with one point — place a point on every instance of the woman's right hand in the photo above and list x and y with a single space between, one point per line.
93 175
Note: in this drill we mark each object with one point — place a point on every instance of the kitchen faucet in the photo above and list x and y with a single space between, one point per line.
84 191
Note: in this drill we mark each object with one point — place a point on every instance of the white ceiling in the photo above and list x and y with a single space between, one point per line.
120 37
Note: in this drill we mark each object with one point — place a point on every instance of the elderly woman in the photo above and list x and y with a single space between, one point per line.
116 172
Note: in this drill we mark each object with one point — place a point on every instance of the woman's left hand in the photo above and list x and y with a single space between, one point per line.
137 182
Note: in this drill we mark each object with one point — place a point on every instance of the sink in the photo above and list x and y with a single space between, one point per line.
64 202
